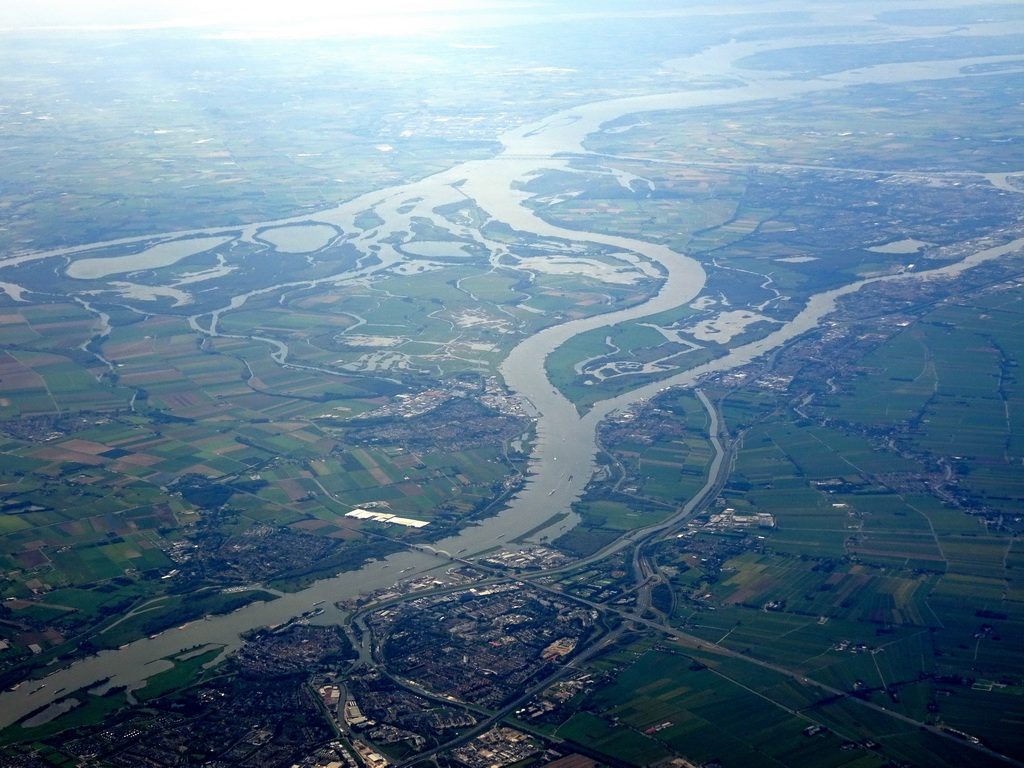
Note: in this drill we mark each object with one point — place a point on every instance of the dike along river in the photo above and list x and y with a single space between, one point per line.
563 458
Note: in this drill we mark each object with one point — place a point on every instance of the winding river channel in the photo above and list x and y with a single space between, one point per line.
563 458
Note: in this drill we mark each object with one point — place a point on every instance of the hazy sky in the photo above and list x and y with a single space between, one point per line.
314 18
20 14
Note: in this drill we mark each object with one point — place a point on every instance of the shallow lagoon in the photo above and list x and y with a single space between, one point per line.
162 255
900 246
299 238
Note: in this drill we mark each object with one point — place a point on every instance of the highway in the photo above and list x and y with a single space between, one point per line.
645 577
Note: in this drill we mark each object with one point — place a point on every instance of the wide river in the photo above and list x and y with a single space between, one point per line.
563 458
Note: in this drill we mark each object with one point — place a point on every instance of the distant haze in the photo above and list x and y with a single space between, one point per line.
21 14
